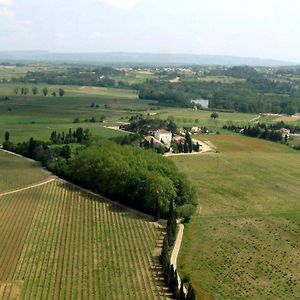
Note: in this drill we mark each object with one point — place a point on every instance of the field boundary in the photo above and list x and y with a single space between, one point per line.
28 159
28 187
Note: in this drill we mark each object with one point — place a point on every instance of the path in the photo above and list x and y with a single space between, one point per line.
175 252
117 128
177 245
28 187
255 119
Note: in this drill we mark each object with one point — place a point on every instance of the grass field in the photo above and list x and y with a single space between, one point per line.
191 117
244 241
59 242
16 172
36 116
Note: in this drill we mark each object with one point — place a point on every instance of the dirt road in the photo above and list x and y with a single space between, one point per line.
27 188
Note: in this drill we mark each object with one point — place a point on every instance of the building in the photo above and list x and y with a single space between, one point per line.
164 136
202 102
195 130
285 132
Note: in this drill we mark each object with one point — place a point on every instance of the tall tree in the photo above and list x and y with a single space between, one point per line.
34 90
16 90
6 136
45 91
61 92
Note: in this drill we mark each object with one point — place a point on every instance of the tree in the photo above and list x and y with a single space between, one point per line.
164 256
45 91
79 135
291 109
54 94
34 90
171 224
66 152
181 292
188 140
191 293
16 90
25 91
53 137
6 136
61 92
196 147
214 115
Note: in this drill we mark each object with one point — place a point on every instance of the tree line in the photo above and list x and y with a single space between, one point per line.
170 274
35 91
263 131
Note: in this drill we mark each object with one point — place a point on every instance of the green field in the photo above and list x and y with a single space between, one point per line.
36 116
243 243
16 172
59 242
191 117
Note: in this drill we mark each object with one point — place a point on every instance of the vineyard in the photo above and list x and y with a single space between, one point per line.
59 242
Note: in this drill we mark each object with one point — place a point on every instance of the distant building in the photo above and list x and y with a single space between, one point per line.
163 136
285 132
195 130
204 103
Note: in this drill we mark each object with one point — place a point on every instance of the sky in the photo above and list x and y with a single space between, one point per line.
248 28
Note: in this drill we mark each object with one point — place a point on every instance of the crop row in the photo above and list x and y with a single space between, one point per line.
69 244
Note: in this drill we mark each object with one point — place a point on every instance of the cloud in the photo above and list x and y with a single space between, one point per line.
7 13
121 4
97 36
6 9
6 2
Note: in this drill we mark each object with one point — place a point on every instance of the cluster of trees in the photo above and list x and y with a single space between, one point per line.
262 131
79 135
134 177
141 125
82 76
90 120
37 150
170 274
187 146
45 91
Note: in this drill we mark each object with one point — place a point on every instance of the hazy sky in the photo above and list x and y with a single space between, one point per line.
257 28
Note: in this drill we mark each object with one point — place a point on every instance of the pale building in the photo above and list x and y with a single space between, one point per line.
163 136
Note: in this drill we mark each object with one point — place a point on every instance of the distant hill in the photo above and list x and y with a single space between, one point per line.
136 58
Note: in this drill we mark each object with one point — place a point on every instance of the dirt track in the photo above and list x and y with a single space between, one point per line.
27 188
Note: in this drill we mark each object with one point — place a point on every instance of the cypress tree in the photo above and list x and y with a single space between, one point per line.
175 288
181 292
191 293
164 257
171 224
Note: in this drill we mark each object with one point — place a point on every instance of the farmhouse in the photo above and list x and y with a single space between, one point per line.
164 136
195 129
285 132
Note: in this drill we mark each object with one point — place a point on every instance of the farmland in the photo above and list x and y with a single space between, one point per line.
36 116
244 241
70 244
17 172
